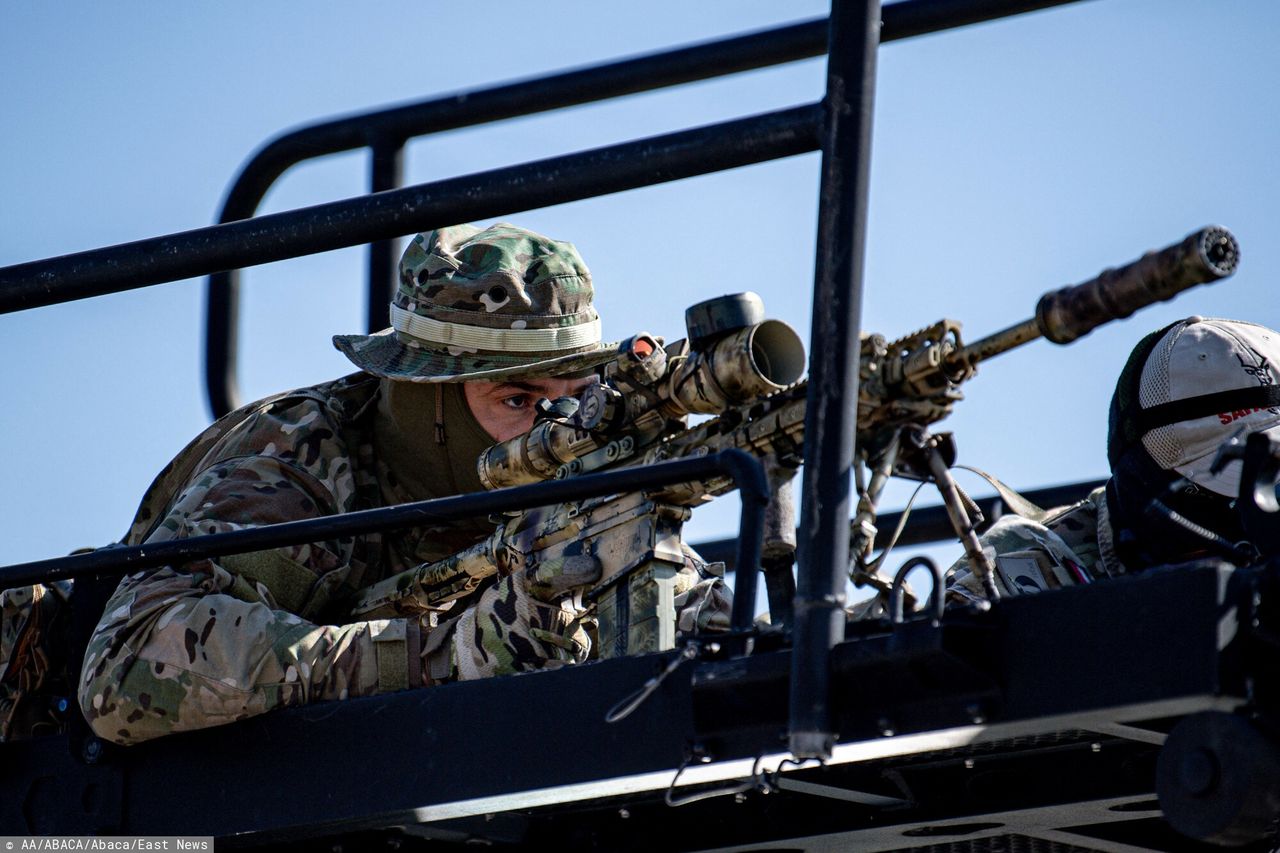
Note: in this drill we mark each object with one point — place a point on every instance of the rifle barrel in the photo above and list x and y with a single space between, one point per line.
1002 341
1064 315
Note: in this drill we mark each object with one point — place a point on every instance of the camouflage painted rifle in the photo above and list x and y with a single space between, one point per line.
744 369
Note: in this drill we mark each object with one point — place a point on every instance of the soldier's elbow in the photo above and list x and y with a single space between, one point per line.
113 705
98 706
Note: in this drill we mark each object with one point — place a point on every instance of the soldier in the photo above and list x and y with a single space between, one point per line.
484 323
1185 390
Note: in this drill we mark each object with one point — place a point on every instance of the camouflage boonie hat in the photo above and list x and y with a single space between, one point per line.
502 303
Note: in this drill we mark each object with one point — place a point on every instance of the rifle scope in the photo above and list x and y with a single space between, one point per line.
740 367
644 388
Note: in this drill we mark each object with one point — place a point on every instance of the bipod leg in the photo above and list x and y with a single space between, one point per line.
961 522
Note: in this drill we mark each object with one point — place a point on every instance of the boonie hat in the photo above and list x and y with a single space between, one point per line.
494 304
1205 380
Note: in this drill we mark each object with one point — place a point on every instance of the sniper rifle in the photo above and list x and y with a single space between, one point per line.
745 369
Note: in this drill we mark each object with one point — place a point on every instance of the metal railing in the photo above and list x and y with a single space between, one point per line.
839 126
745 471
928 524
207 252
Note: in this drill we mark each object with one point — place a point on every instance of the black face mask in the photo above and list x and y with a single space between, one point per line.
1146 538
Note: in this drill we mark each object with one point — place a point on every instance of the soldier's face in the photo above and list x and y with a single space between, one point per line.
505 409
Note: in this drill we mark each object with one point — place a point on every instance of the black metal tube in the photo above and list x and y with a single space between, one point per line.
898 589
742 468
221 342
703 61
798 41
570 88
919 17
386 172
830 413
628 76
353 221
465 109
753 487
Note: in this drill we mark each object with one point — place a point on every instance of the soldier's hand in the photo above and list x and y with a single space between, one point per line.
527 621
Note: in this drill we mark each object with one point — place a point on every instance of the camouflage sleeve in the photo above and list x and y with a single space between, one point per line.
32 664
1029 557
215 641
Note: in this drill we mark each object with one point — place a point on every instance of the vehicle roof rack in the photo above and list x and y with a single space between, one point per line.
937 686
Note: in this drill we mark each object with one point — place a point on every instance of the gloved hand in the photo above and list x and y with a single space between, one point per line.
526 621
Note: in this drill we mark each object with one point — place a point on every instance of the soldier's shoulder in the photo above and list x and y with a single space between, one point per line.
295 425
1077 519
304 428
1015 528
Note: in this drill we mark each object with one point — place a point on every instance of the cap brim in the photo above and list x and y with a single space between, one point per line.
1225 482
383 354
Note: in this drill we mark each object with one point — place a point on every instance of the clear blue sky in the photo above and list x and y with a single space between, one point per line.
1009 158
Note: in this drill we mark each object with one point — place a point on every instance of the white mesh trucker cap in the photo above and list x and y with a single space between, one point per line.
1208 356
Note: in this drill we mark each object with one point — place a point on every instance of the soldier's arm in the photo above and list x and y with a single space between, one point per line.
215 641
1031 553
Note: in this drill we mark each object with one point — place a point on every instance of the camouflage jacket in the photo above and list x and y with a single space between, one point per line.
34 677
1071 545
220 640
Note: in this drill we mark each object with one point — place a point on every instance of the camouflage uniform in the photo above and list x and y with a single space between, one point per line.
1184 390
1071 545
33 670
218 640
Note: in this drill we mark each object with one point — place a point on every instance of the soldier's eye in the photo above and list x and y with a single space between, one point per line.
517 403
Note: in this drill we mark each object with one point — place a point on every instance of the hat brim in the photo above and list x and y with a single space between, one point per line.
1225 482
383 354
